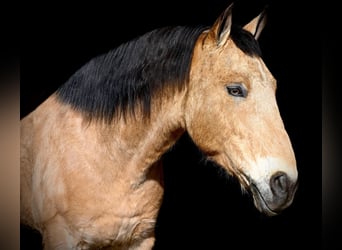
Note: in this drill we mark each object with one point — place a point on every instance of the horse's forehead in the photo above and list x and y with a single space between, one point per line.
230 61
236 58
238 62
254 66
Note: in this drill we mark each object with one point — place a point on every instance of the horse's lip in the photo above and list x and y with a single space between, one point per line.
260 202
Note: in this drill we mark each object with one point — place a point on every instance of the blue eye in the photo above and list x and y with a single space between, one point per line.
237 90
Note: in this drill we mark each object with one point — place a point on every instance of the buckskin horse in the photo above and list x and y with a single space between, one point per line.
91 169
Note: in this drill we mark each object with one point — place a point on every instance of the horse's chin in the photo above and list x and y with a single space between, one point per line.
260 202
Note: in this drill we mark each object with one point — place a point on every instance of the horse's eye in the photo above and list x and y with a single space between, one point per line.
237 91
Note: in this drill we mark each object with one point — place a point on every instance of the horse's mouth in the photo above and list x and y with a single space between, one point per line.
258 199
260 202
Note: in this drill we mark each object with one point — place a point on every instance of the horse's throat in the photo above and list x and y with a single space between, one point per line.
153 145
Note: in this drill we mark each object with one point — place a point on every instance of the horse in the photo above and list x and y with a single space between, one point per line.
91 153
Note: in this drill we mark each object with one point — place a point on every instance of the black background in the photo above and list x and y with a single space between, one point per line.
202 208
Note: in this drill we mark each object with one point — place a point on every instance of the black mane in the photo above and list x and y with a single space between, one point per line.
114 83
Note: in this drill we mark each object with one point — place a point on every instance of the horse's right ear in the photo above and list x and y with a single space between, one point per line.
221 29
257 24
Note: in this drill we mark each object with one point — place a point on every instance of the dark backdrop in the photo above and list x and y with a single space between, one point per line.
202 209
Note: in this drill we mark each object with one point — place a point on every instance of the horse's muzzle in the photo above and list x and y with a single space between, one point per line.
277 197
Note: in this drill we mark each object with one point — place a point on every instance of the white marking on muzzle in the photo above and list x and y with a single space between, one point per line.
262 170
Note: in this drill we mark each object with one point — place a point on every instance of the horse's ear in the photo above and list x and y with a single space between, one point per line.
256 25
221 28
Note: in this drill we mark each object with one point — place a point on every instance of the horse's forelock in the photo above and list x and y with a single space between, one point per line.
245 41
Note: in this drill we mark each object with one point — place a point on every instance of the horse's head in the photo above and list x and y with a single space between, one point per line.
232 114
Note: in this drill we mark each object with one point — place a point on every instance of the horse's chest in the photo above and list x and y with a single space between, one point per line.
117 231
129 221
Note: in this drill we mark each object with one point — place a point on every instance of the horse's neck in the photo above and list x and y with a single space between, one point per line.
127 147
140 143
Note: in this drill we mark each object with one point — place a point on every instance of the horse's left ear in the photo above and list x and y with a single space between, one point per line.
256 25
221 29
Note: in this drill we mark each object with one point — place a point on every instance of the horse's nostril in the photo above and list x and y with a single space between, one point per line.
279 184
283 189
